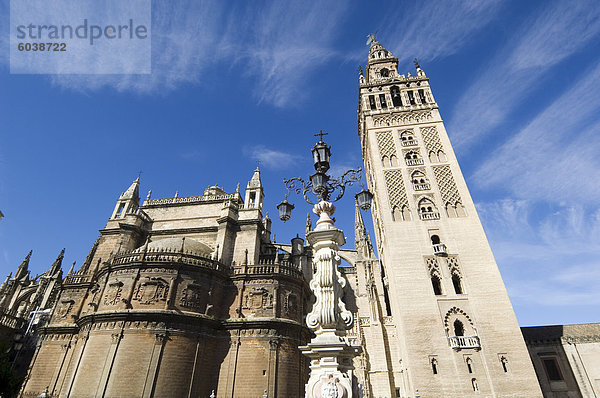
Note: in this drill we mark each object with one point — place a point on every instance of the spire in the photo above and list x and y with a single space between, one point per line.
308 224
88 260
362 241
255 180
22 271
254 191
71 269
3 285
378 52
56 266
133 192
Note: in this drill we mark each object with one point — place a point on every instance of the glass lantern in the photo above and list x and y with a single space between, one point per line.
363 199
321 153
319 183
285 210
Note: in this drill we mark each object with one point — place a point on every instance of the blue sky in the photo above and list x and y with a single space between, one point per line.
234 83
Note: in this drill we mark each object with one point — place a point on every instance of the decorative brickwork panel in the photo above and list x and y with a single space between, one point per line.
402 118
453 265
395 188
431 139
445 181
385 141
433 266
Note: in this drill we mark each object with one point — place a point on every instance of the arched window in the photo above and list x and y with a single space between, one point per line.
396 215
469 362
419 181
459 329
385 72
393 161
434 368
504 363
437 285
475 385
433 157
427 210
405 213
411 155
457 283
441 156
396 98
407 138
385 161
435 240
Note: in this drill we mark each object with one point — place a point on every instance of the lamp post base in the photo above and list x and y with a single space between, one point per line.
331 368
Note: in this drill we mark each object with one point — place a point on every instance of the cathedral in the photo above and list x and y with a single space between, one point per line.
191 296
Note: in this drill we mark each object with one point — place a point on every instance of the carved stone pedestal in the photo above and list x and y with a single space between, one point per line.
331 355
331 369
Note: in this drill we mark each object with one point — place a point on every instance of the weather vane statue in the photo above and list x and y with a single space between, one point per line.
330 352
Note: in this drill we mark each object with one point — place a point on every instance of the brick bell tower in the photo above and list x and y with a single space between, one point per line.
455 331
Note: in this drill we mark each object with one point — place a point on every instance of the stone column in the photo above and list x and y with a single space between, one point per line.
331 369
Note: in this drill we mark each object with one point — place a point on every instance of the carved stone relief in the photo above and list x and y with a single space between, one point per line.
113 294
151 290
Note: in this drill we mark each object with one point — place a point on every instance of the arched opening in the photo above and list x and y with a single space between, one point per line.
406 213
385 72
457 284
459 328
385 161
469 365
433 157
434 368
396 98
437 285
441 156
475 385
504 363
427 210
435 239
393 161
396 215
410 155
450 210
460 210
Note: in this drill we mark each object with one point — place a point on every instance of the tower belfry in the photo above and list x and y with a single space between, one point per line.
450 320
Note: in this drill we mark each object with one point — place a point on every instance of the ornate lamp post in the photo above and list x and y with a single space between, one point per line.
330 352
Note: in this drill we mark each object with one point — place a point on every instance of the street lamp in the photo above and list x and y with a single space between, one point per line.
329 351
321 185
363 198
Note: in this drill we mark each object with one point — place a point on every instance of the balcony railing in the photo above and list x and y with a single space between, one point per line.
409 143
440 249
460 342
414 162
422 187
429 216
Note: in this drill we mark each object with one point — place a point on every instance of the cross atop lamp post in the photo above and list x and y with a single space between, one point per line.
330 352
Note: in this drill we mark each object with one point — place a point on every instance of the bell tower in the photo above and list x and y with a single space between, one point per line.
451 323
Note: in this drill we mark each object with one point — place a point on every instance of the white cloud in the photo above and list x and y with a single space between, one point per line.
435 29
270 157
555 157
278 45
560 30
546 260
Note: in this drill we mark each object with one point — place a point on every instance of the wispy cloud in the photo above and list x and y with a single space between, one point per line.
555 157
277 44
270 157
435 29
282 44
546 260
560 30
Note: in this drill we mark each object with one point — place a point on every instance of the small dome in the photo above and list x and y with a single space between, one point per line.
174 245
214 190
